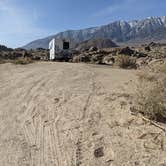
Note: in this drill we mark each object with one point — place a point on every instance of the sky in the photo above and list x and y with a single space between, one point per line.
22 21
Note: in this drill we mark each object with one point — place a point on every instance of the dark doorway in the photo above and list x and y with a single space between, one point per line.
65 45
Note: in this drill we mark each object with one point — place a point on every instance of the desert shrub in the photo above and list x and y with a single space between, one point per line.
151 94
125 61
76 59
145 76
81 58
22 61
2 61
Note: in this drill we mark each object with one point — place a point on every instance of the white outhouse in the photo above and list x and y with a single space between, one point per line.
56 46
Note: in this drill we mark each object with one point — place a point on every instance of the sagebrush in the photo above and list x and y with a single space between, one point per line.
125 61
151 94
23 61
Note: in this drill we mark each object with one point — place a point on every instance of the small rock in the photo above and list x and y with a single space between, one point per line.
109 154
98 152
126 51
147 48
108 60
56 100
93 49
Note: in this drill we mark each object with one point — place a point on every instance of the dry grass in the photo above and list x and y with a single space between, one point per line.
81 58
124 61
145 76
151 95
2 61
23 61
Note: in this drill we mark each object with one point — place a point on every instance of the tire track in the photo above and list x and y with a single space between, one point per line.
89 126
89 98
79 155
50 143
29 135
52 156
39 141
57 145
46 146
42 146
79 151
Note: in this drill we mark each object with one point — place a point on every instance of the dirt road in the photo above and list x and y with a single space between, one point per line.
60 114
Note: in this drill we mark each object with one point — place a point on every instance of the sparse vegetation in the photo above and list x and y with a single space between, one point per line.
81 58
145 76
1 61
22 61
125 61
151 96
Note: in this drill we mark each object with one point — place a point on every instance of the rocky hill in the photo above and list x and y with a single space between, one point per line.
4 48
136 31
98 43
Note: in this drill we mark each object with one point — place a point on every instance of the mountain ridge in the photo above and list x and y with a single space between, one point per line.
118 31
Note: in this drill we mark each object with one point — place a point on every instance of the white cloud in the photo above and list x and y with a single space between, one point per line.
18 26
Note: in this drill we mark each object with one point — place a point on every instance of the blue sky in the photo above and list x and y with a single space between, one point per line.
25 20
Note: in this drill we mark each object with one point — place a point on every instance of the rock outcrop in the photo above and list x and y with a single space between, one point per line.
94 44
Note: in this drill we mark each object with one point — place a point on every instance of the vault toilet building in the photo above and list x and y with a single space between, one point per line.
58 48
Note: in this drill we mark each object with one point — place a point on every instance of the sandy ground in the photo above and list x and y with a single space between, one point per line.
60 114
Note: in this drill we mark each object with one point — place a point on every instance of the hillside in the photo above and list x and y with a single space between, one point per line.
137 31
98 43
4 48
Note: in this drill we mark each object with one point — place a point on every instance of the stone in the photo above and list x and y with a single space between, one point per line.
108 60
93 48
99 152
126 51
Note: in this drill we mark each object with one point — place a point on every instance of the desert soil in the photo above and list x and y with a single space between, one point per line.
62 114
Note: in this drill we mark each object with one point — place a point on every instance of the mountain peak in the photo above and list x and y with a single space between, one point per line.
137 31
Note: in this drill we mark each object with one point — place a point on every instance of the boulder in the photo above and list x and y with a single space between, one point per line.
147 48
93 48
108 60
126 51
99 152
97 58
81 58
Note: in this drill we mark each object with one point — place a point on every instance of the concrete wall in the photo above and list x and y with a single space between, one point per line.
52 49
55 46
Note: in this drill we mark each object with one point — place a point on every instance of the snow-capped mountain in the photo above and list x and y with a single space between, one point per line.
136 31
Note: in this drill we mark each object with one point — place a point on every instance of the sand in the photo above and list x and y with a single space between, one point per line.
64 114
